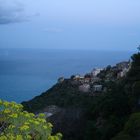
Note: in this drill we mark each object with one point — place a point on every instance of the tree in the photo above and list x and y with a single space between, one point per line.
132 127
122 136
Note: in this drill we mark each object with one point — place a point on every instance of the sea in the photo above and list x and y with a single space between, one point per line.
26 73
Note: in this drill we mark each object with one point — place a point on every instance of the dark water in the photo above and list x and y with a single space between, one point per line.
25 73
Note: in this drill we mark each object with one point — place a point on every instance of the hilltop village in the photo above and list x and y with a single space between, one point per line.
94 83
97 80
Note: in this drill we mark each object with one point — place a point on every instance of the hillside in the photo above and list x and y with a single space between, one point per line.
110 113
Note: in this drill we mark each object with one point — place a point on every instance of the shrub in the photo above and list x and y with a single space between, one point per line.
132 127
122 136
16 124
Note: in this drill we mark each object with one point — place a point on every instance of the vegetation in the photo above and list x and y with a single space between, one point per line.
113 115
16 124
131 129
116 114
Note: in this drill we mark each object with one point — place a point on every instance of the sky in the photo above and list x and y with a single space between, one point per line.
70 24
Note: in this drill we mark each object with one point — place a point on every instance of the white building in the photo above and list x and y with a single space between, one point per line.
84 88
122 73
76 77
95 72
95 79
97 88
61 79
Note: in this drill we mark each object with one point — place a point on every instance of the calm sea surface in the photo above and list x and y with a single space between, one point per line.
25 73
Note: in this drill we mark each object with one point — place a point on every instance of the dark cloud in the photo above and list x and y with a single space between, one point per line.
11 11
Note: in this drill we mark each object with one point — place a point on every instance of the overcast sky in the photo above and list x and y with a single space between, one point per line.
70 24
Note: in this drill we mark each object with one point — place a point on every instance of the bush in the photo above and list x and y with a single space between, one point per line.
16 124
132 127
136 88
122 136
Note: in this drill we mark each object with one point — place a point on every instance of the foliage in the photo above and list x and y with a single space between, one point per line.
122 136
107 114
63 95
134 73
136 89
132 127
17 124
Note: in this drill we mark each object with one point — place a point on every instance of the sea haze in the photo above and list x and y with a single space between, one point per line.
25 73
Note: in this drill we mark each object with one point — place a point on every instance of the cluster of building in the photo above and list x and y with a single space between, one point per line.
123 68
89 77
89 82
118 71
92 82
